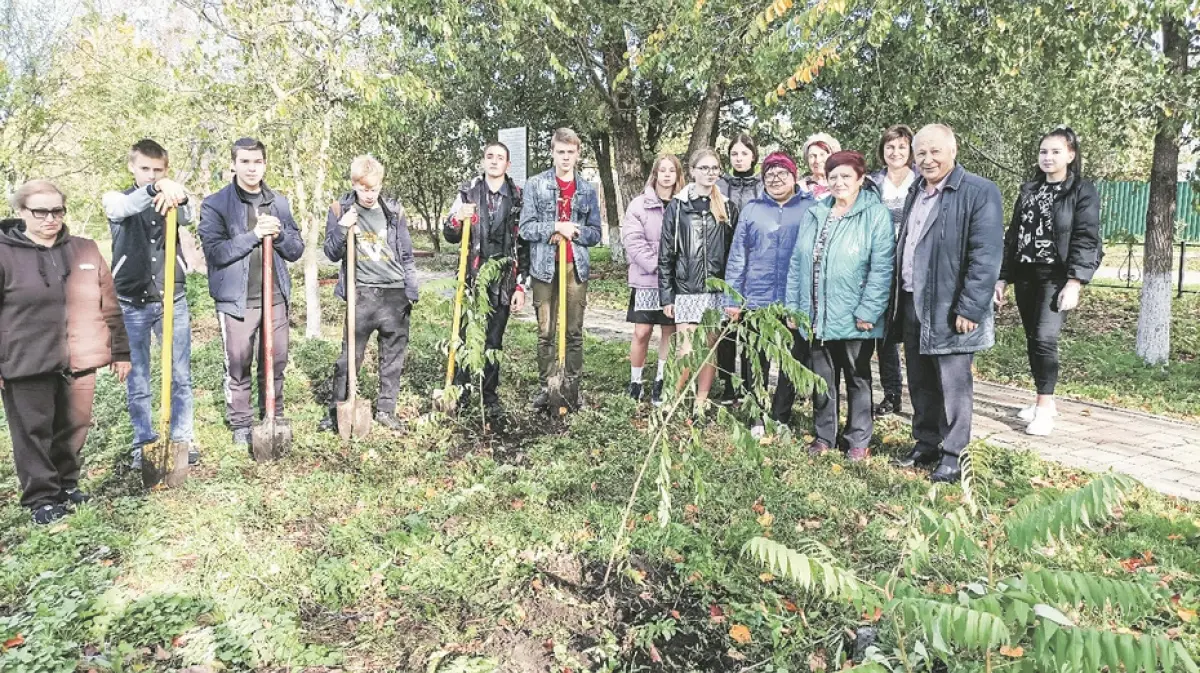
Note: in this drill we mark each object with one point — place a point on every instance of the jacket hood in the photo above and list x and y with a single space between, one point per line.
652 200
742 180
391 207
866 198
12 232
685 194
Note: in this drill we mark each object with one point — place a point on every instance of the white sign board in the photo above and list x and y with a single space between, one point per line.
516 139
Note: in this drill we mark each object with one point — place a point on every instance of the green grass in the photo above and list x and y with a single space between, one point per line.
1097 355
446 544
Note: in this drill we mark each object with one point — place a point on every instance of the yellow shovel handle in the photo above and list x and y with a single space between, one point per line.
562 302
168 325
464 252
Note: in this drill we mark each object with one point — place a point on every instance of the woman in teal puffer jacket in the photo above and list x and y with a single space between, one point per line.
840 278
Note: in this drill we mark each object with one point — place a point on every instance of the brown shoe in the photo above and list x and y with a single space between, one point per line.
817 448
858 455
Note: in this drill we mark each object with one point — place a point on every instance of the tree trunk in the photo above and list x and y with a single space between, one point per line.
1154 318
628 161
312 234
600 144
707 118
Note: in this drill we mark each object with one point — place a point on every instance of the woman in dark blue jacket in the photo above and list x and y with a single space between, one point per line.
757 269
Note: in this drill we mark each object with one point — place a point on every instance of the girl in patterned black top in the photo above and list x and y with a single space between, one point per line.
1051 250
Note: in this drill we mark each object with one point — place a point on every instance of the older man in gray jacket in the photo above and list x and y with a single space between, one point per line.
947 262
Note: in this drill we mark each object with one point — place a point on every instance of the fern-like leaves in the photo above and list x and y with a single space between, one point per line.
1065 587
1071 650
950 533
811 572
1039 519
946 625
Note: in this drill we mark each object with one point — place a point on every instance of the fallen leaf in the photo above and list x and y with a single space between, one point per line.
758 506
836 469
716 614
675 614
1174 538
517 504
740 634
873 617
691 509
816 660
16 641
1186 615
766 519
536 584
160 654
789 606
767 577
1013 652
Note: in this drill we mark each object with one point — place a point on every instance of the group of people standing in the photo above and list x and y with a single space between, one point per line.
914 255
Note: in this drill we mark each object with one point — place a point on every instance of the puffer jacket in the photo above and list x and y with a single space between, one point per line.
740 189
761 254
855 279
641 232
1076 229
58 307
539 215
956 263
398 238
694 247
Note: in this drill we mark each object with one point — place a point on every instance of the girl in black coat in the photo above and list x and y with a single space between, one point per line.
1051 251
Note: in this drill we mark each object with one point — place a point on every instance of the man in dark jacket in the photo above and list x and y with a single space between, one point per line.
136 218
233 224
558 205
947 263
491 203
386 284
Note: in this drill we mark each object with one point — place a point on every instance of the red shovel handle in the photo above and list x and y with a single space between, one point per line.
268 322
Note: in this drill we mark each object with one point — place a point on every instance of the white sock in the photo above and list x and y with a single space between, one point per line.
635 374
662 369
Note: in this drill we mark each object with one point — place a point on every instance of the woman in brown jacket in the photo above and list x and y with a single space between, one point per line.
59 323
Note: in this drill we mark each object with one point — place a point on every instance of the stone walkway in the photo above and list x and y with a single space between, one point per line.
1162 453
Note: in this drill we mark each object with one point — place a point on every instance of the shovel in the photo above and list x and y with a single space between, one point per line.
167 461
443 400
271 438
557 387
353 415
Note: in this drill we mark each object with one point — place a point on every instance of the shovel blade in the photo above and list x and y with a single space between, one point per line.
271 439
563 393
354 419
179 468
152 473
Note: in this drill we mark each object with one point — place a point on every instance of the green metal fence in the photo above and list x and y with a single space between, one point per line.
1123 208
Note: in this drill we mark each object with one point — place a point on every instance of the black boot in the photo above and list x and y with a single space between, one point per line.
919 456
890 405
948 471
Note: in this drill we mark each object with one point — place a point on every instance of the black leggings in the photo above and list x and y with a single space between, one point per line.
1037 301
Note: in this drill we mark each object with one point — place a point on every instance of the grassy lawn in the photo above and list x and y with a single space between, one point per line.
1097 353
448 549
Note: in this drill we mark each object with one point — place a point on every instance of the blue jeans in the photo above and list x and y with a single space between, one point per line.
140 322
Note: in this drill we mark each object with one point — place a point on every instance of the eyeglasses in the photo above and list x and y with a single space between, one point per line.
776 176
708 169
43 213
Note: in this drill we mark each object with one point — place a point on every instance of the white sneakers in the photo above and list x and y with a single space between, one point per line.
1040 419
758 430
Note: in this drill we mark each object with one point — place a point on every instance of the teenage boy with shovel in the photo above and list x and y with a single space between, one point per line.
560 208
491 205
137 220
383 286
237 224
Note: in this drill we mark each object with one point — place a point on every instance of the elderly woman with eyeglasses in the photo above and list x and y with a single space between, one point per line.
59 323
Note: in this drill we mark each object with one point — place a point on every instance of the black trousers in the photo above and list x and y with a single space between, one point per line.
243 346
727 358
1037 301
49 417
386 311
785 390
942 389
835 361
889 367
496 325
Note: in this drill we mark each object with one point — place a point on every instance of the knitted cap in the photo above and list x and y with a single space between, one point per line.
780 159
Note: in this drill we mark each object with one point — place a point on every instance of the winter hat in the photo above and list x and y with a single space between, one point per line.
780 159
828 142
